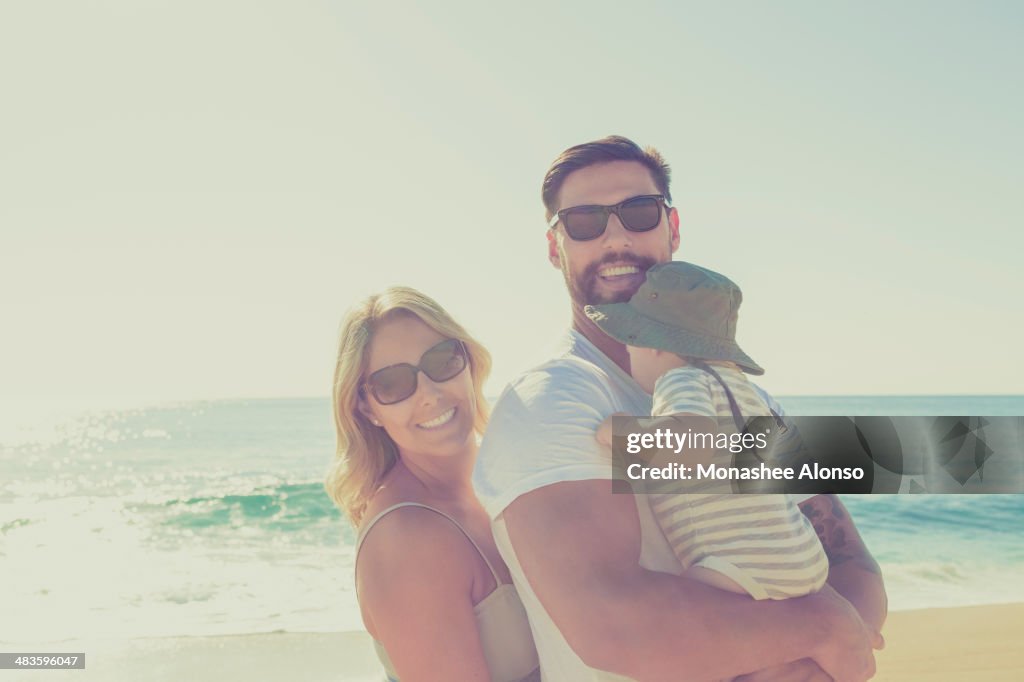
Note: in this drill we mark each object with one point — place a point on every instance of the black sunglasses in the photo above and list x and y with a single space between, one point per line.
637 214
395 383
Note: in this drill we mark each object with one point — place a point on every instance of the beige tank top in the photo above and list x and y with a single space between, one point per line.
501 619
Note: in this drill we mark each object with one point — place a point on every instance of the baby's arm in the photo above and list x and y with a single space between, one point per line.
604 431
682 405
678 423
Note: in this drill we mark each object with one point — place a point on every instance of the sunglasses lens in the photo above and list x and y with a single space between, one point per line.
585 222
396 383
393 384
641 215
444 361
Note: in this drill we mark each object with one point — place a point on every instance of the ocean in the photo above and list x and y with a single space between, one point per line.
208 518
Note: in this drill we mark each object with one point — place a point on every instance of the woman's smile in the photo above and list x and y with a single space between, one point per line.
439 420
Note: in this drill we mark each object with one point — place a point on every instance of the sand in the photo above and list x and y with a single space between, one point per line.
964 643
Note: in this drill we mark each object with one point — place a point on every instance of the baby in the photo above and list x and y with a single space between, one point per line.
680 331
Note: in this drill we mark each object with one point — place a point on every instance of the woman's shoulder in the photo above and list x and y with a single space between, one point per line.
408 532
404 544
394 491
402 535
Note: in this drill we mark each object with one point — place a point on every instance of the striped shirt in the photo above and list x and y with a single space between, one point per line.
762 542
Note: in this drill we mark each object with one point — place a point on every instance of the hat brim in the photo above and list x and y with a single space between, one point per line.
624 323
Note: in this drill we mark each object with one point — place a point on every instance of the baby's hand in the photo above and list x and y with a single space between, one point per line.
604 431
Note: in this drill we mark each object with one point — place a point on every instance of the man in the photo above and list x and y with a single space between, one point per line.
600 584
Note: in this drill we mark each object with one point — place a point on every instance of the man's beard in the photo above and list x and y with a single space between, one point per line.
583 290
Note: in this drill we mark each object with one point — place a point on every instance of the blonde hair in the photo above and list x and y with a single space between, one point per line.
365 453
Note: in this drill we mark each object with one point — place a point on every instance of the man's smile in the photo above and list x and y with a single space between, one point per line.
615 271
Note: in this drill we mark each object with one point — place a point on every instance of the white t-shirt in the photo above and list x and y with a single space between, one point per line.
542 432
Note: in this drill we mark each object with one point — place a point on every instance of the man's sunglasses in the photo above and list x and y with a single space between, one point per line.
395 383
638 214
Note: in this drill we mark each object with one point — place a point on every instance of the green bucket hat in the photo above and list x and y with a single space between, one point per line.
682 308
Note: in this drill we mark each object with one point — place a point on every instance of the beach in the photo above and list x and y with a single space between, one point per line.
167 546
961 643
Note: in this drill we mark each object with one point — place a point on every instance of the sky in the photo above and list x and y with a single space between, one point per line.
192 194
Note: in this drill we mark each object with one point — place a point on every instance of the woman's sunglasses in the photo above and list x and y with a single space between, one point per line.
395 383
638 214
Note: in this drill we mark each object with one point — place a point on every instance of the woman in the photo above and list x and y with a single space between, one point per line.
408 410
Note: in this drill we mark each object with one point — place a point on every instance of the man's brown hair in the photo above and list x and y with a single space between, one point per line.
611 148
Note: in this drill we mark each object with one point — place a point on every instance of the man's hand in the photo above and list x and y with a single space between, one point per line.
846 647
854 581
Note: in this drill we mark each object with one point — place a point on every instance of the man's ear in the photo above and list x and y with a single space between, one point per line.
673 229
553 255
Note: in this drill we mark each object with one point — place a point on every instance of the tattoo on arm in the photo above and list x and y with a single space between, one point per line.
853 572
830 523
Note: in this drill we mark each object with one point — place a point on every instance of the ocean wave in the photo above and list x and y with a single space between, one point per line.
924 584
994 515
289 513
11 525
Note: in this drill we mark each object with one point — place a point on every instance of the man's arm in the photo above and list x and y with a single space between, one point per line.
579 546
852 572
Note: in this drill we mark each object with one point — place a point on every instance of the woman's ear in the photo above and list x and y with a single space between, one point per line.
363 405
